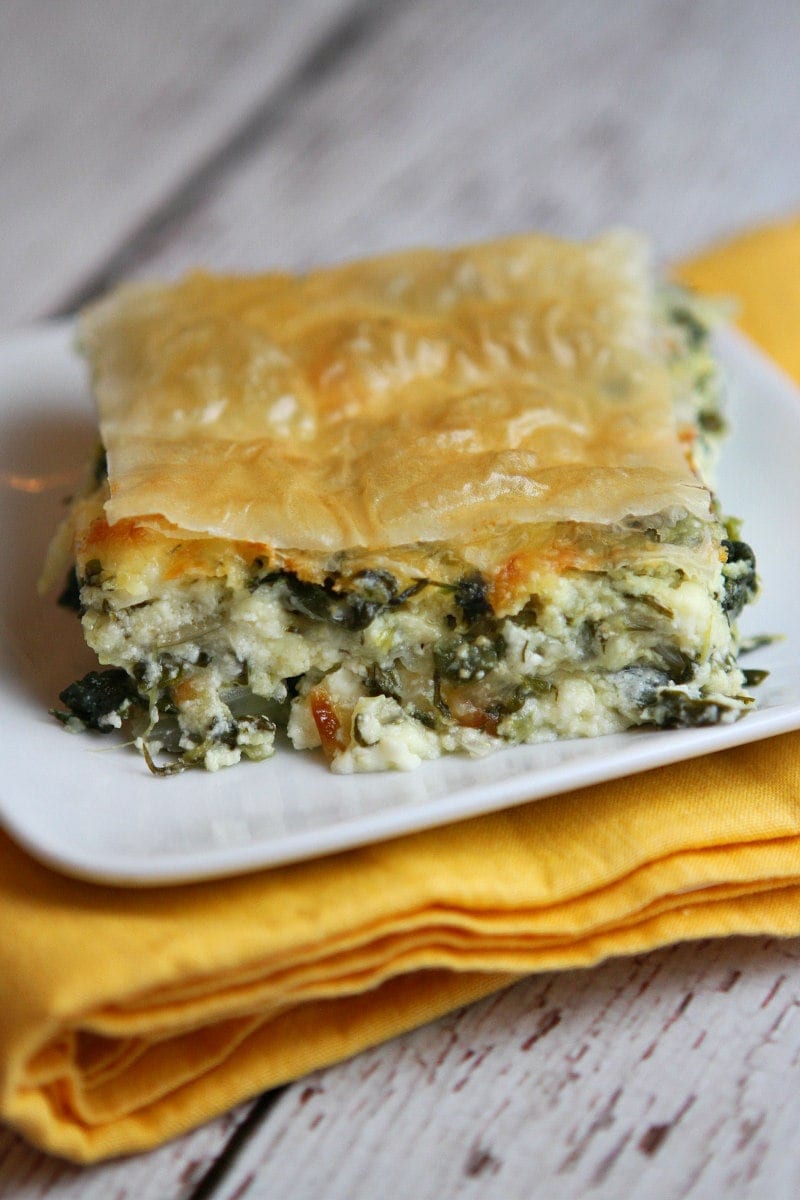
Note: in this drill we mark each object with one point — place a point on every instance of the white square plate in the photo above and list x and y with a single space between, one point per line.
89 807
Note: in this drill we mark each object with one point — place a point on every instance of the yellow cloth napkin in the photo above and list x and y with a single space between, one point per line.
128 1016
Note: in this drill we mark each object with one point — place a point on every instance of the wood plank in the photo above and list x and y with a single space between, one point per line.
172 1172
672 1075
106 105
465 121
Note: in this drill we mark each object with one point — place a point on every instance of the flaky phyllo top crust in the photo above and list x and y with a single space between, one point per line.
420 397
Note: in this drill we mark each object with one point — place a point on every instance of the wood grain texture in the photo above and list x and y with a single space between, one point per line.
105 106
467 120
173 1172
672 1075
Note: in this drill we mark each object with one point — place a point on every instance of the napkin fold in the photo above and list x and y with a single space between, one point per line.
129 1016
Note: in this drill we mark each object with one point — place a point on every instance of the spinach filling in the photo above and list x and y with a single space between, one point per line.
739 573
97 698
465 659
695 331
696 372
70 595
383 681
375 592
466 685
472 599
676 710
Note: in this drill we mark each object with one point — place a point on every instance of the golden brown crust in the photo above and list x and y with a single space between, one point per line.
422 397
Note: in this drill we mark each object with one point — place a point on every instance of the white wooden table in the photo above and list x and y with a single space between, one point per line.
142 138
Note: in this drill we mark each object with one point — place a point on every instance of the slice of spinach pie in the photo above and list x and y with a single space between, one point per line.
434 501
